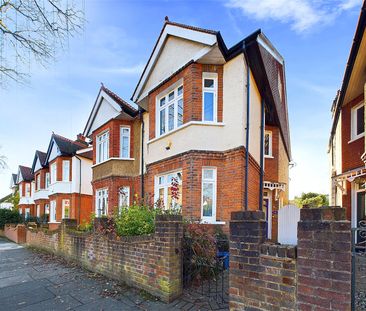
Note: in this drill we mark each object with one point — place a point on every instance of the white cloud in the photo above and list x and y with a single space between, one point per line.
124 70
302 15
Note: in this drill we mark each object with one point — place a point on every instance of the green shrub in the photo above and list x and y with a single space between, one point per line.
9 217
135 220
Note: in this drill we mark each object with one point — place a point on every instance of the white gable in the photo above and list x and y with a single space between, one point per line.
20 177
55 152
175 54
38 165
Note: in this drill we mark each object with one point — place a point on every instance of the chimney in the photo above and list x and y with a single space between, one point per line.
81 138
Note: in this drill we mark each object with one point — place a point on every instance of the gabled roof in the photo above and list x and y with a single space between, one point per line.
341 94
24 174
66 147
13 180
119 105
42 159
6 198
86 153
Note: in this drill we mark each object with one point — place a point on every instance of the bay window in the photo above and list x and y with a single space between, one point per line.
168 190
47 180
65 170
102 147
124 197
65 208
27 190
53 173
53 211
125 142
38 182
170 111
20 190
209 97
101 204
208 194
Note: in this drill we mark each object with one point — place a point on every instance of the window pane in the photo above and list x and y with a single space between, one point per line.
360 120
161 180
171 96
180 90
171 117
125 143
208 174
209 83
207 199
266 144
162 121
162 102
180 112
208 106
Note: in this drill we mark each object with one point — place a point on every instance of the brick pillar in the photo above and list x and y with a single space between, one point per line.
324 259
247 233
21 234
168 239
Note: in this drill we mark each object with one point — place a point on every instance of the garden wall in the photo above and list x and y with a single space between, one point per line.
151 262
314 276
15 233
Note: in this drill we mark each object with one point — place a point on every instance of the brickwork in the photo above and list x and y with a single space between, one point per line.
58 162
15 233
315 276
324 260
152 262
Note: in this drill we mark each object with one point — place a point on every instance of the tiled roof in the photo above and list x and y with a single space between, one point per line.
26 173
123 104
87 154
168 22
68 146
14 178
41 156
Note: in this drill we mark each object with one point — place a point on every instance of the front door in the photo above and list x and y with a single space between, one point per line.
361 213
267 208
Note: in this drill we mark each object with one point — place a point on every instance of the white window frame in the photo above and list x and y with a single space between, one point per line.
38 210
270 153
212 218
53 173
46 209
27 190
165 185
102 139
20 190
65 170
123 194
38 178
122 135
354 110
27 213
47 180
101 193
53 209
210 76
64 201
33 188
166 106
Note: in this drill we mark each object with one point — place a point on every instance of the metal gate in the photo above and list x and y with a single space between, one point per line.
359 267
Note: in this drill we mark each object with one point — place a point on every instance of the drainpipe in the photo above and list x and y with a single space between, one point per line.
261 158
247 134
79 211
142 153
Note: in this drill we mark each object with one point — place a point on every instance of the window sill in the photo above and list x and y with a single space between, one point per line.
54 222
215 222
356 138
204 123
110 159
268 157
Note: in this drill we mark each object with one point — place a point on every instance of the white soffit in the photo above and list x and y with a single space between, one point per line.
177 31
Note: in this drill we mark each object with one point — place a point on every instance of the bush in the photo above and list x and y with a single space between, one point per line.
9 217
135 220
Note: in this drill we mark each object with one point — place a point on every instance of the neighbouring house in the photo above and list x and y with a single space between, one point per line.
347 149
69 190
13 183
211 122
115 130
42 182
25 182
5 202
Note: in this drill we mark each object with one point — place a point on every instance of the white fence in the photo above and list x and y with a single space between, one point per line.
288 217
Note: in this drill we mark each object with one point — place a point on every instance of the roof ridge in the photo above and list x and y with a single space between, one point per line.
70 141
168 22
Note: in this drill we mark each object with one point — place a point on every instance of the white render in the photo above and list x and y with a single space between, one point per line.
26 200
40 194
55 152
86 176
38 165
6 205
60 187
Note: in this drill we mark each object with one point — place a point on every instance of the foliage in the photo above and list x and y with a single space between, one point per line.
15 200
34 30
222 240
105 226
9 217
312 199
87 226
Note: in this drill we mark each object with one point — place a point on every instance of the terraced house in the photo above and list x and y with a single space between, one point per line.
25 182
210 122
347 145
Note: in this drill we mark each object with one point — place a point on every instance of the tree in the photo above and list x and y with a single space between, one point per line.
32 30
312 199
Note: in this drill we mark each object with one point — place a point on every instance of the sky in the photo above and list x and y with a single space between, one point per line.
313 36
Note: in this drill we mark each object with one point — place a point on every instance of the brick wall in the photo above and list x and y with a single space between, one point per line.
315 276
152 262
15 233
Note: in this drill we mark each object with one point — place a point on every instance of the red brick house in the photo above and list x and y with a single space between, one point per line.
42 181
347 140
211 120
69 191
25 182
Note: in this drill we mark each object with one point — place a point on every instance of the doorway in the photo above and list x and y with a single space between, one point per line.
267 208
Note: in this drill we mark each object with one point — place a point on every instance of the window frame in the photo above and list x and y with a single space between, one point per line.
127 193
64 179
270 147
166 186
38 182
47 181
121 135
63 204
165 107
53 169
27 190
105 196
210 76
98 142
53 211
212 218
20 190
354 135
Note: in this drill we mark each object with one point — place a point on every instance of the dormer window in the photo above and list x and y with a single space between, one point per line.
209 97
357 121
170 110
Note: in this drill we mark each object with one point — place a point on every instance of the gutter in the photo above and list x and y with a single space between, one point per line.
261 176
79 209
142 153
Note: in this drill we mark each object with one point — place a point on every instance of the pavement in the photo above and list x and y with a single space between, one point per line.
33 280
